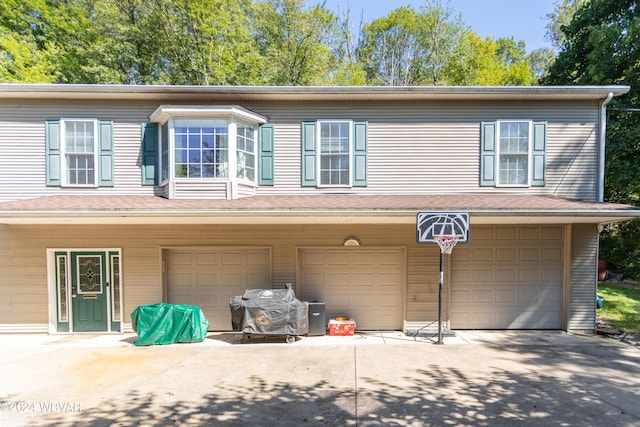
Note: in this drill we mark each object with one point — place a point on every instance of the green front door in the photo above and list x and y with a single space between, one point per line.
89 291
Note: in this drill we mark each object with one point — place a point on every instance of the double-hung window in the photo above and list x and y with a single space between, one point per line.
79 152
513 153
79 147
334 153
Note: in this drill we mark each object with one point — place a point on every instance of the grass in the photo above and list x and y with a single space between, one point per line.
621 307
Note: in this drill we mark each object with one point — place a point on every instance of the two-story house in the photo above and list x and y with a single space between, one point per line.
117 196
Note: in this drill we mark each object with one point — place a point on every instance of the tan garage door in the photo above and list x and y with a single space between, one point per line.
508 278
365 284
209 278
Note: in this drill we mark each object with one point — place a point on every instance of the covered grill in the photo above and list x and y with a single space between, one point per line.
269 312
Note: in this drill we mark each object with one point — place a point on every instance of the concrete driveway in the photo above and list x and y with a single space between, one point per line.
479 378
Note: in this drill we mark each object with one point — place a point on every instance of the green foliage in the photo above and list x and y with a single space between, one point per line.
540 60
489 62
560 17
411 48
247 42
22 61
621 307
293 42
206 42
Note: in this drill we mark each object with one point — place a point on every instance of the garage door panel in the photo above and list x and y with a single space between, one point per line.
505 275
528 296
364 258
337 280
505 296
363 301
461 275
482 296
232 279
336 259
232 259
460 296
526 292
258 281
528 254
366 284
482 275
483 254
529 275
388 300
363 279
389 279
552 275
209 278
506 254
257 259
390 258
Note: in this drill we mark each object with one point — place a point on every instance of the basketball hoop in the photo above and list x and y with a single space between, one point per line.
446 243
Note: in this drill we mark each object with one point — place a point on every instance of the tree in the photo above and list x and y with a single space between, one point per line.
540 60
344 45
411 48
601 47
206 42
293 41
489 62
560 17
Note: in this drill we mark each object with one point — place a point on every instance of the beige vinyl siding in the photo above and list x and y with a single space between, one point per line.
430 147
199 189
434 148
582 294
22 147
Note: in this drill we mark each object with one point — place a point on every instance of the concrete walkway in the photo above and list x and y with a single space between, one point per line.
371 379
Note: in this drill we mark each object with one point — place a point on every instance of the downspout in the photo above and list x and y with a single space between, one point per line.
601 153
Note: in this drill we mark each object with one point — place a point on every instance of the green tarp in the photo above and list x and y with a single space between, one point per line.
168 324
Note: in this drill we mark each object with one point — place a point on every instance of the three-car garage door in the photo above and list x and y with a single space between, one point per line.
208 278
365 284
508 278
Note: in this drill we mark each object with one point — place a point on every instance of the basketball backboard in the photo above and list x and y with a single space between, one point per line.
448 224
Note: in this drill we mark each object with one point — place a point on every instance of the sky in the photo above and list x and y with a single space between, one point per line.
522 19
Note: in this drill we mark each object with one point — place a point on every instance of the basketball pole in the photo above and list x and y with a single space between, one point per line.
440 297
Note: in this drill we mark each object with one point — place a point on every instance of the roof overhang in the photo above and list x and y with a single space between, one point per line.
236 94
323 209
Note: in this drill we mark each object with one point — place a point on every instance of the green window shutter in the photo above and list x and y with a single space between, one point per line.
309 154
538 167
360 154
265 154
105 153
53 152
149 154
488 154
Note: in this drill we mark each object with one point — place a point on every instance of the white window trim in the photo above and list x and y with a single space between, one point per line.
529 153
63 153
319 151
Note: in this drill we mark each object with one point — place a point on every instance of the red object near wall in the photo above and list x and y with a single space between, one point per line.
602 270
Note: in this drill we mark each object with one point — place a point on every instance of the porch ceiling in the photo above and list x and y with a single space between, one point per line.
312 209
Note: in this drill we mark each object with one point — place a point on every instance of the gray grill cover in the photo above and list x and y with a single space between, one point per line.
269 312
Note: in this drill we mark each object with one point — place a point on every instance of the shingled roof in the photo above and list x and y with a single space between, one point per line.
310 206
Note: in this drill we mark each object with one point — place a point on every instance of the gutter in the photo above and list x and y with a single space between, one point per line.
601 153
308 216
